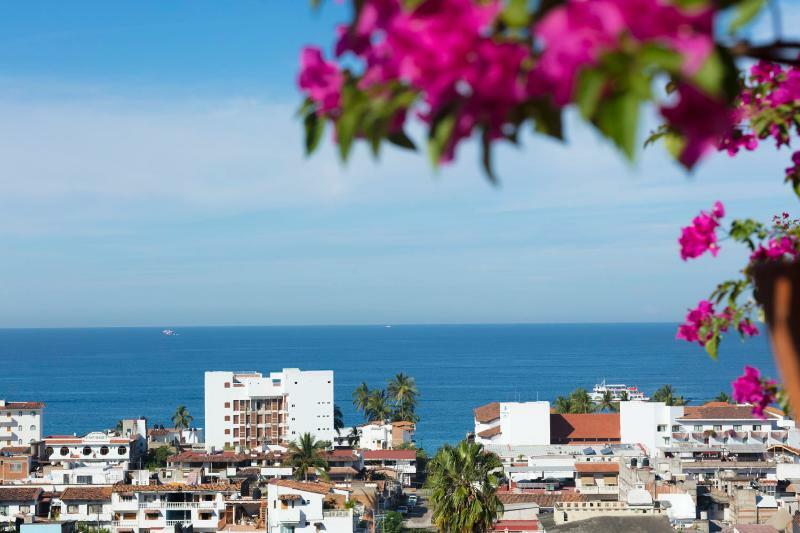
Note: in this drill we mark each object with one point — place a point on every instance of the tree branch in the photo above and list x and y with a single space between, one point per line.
779 51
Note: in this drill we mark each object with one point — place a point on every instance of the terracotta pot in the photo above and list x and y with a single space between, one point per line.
777 289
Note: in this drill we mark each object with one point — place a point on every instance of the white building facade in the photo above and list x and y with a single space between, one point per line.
513 423
298 507
248 410
20 423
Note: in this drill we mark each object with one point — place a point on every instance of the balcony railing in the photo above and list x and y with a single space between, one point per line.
125 523
178 522
177 505
336 513
598 489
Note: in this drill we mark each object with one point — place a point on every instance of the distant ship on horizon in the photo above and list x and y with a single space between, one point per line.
169 332
618 392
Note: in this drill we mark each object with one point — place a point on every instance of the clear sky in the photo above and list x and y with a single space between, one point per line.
151 173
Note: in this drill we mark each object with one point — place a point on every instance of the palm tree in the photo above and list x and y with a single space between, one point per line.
463 481
562 405
580 401
360 398
378 407
607 402
403 392
182 419
667 395
723 397
338 419
623 396
307 453
353 438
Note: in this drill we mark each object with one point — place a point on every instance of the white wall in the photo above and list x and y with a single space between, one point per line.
19 427
639 423
215 397
525 423
310 403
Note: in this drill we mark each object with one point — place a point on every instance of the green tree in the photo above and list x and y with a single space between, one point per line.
607 402
361 397
353 438
306 454
623 396
157 457
182 419
403 392
338 419
563 405
378 407
580 402
463 481
723 397
667 395
392 522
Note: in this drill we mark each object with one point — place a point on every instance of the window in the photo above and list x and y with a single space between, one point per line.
3 510
95 509
64 450
756 427
698 427
737 427
87 450
227 418
84 480
72 509
227 431
122 450
24 509
227 385
104 450
33 428
33 413
15 467
717 427
661 428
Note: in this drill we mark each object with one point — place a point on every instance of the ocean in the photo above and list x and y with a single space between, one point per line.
90 378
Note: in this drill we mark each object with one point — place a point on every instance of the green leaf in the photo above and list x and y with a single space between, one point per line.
315 127
439 136
589 91
547 118
718 76
486 156
515 14
346 128
664 58
712 346
618 118
745 11
401 139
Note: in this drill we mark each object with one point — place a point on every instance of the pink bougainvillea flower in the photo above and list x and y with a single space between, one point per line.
753 389
747 328
321 80
701 120
696 319
577 34
574 37
776 249
701 236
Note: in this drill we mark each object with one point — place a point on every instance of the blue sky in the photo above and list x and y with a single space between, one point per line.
151 173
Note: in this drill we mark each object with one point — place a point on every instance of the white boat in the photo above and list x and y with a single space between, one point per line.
168 332
618 391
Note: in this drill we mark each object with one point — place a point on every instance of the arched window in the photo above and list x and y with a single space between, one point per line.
64 450
104 450
122 450
48 451
87 450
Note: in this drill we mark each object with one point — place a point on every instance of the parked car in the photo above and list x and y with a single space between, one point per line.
403 510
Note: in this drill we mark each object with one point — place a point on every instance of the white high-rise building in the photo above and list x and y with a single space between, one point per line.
247 409
20 423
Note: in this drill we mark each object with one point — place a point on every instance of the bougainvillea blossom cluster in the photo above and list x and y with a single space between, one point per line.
754 389
701 236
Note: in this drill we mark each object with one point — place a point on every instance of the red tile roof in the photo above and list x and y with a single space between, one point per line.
594 427
19 494
86 494
589 467
489 433
177 487
21 405
516 525
488 412
384 455
317 487
201 457
720 411
16 450
541 499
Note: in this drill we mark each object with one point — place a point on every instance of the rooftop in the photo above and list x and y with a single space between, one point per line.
19 494
400 455
86 494
317 487
487 413
489 433
592 467
177 487
596 427
21 405
721 411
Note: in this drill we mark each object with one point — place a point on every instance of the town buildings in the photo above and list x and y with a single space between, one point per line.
304 507
20 423
246 409
384 435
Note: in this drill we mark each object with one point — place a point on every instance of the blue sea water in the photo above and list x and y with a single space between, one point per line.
90 378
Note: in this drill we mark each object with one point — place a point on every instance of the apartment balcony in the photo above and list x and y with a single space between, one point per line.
598 489
123 505
6 422
172 523
336 513
178 505
133 524
289 516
